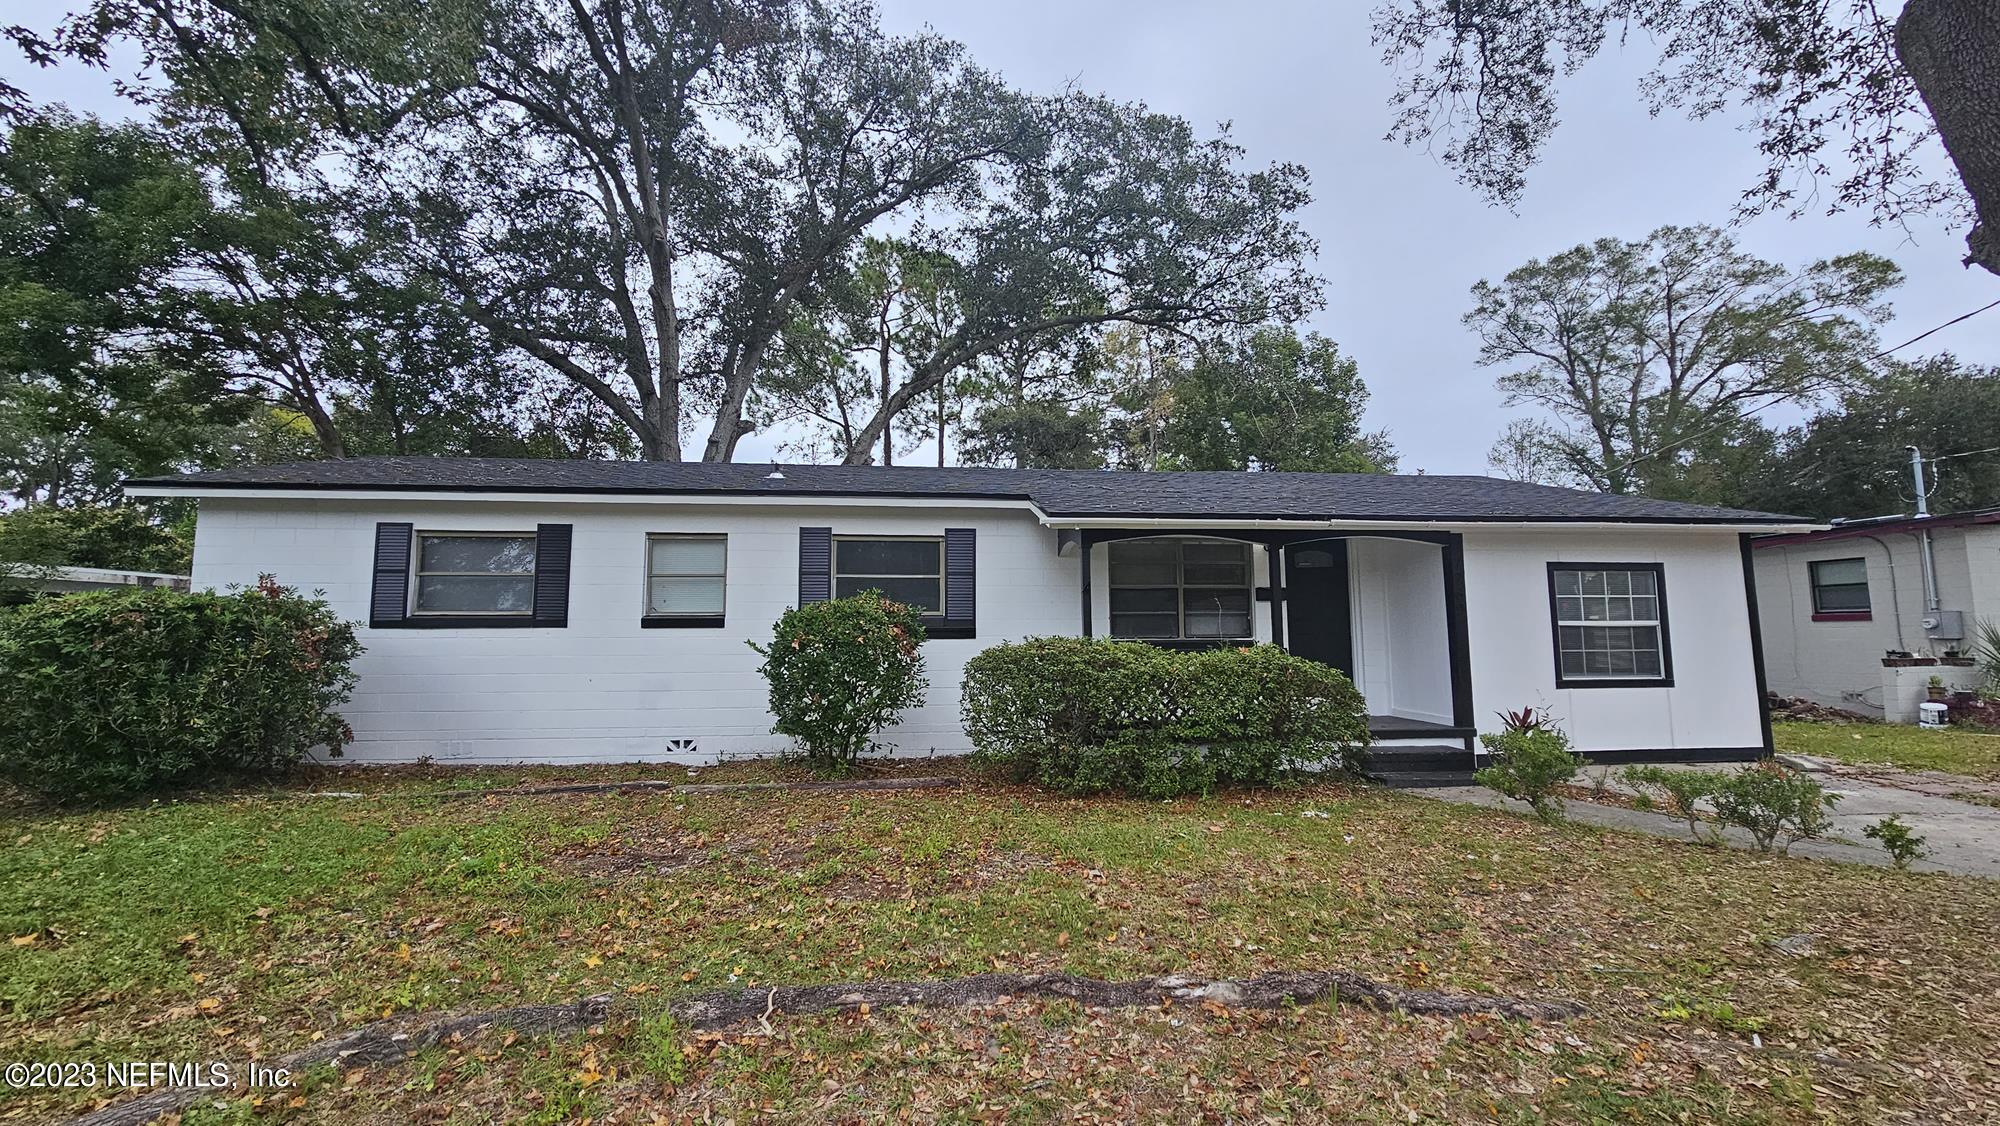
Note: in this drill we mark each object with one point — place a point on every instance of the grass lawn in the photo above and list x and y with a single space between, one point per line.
253 924
1953 751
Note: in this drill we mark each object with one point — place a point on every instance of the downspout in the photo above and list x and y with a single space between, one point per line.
1895 593
1924 537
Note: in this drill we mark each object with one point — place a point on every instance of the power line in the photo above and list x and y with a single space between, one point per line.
1940 328
1964 453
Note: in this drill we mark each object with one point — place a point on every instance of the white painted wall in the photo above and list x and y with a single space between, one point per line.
1713 703
1402 651
604 689
1840 662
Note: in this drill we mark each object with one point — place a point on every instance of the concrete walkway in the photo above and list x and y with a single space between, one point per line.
1964 838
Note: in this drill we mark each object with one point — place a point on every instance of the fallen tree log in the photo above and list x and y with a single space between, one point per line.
381 1042
1265 991
394 1040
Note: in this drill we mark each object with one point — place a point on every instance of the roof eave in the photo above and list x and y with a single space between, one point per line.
179 489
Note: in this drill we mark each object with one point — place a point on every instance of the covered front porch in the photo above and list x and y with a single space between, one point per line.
1386 607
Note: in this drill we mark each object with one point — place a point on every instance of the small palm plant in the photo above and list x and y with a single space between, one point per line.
1986 650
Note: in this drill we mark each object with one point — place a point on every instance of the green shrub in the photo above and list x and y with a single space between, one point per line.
120 537
839 672
1678 790
1769 801
1904 845
1089 716
112 694
1529 761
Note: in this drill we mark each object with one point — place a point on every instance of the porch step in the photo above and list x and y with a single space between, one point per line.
1414 760
1422 779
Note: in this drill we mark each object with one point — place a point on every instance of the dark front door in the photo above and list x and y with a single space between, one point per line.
1318 620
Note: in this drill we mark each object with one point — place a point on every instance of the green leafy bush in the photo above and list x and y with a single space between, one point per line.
1904 845
112 694
1769 801
1090 716
840 671
121 537
1677 789
1529 760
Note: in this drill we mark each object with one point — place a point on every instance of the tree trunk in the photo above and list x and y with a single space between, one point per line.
1952 50
889 417
330 442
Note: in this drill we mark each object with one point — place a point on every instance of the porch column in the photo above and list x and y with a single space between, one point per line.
1275 568
1457 635
1083 554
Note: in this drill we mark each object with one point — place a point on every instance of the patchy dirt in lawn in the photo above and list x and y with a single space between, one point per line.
250 926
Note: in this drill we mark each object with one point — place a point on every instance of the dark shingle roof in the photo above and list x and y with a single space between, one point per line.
1059 492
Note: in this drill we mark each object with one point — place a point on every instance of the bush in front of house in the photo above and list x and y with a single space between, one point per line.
840 671
1530 758
1092 716
1904 845
112 694
1769 801
1679 789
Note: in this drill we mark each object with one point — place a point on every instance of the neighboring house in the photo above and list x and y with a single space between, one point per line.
21 581
1835 602
555 611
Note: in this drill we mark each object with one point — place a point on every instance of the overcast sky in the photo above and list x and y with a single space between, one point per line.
1401 241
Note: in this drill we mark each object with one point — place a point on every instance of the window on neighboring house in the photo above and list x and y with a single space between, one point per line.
686 575
1174 590
909 570
1839 586
489 573
1610 624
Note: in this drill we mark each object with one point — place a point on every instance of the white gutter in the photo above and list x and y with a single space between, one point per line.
1117 522
414 496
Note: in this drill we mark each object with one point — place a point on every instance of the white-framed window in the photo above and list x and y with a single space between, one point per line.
1610 624
908 569
686 575
474 573
1181 589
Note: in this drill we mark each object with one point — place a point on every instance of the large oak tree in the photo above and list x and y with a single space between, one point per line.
1641 352
644 196
1846 95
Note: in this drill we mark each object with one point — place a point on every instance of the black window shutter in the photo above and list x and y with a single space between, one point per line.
960 581
815 565
552 574
389 602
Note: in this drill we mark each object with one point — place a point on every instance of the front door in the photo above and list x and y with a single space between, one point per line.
1318 619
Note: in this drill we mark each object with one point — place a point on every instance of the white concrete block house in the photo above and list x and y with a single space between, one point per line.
1836 601
550 611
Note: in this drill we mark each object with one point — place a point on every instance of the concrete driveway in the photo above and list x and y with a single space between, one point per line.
1964 837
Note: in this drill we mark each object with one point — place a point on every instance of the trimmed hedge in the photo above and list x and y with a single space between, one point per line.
840 671
107 695
1090 716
